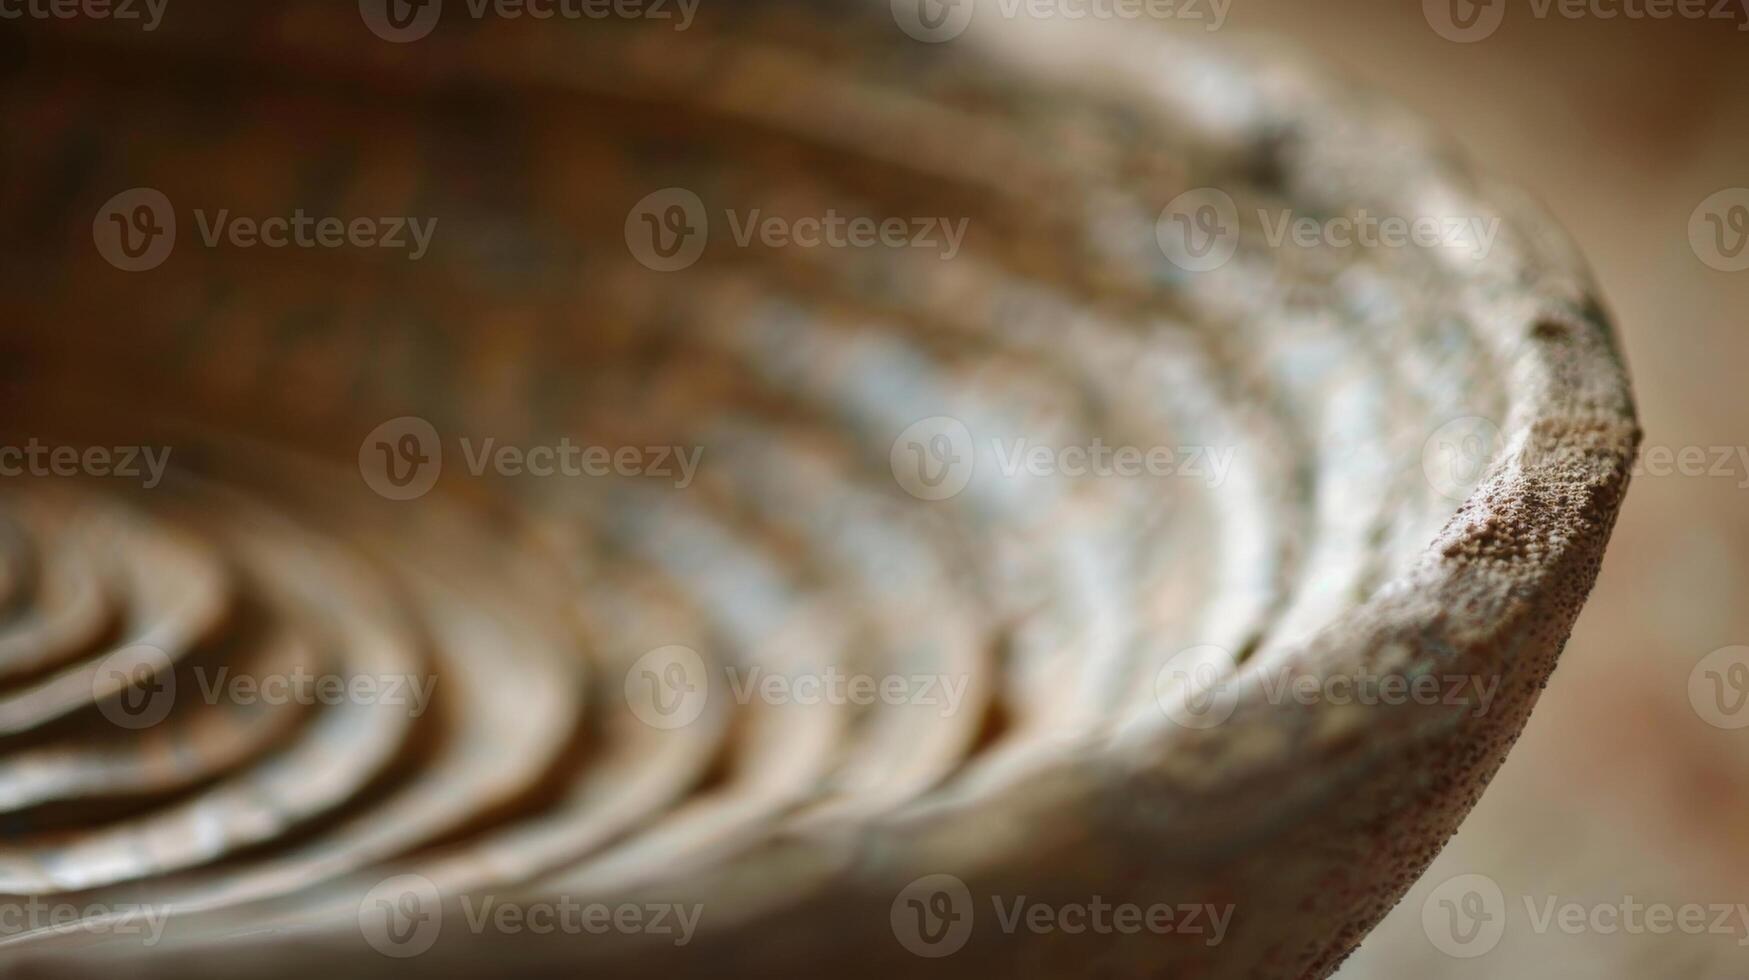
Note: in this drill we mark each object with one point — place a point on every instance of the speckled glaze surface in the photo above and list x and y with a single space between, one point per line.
1339 527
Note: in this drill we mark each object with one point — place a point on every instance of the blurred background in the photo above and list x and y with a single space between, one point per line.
1622 792
1613 842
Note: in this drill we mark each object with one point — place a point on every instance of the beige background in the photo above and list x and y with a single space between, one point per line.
1618 790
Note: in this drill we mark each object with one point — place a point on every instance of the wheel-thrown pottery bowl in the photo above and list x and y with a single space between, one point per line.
1194 465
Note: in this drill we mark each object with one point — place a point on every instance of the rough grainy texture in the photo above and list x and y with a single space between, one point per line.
1331 547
